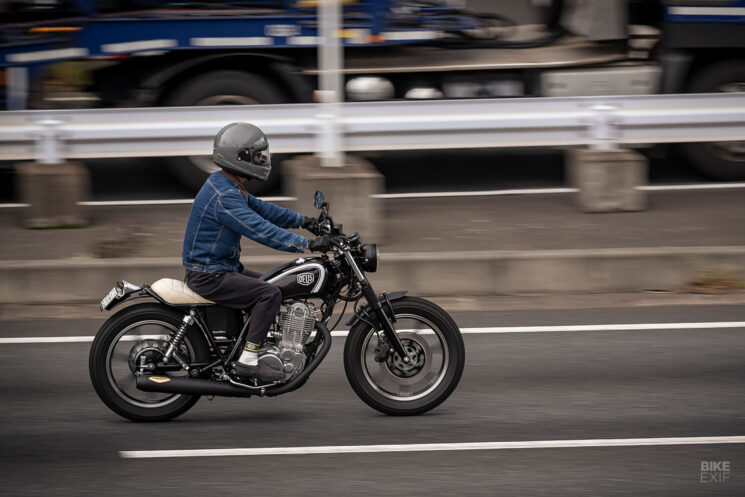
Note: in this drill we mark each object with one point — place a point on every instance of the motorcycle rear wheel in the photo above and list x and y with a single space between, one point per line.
130 332
406 389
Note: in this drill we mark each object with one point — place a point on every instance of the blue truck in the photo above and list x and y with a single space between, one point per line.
123 53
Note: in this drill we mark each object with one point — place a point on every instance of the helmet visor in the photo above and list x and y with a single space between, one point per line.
258 157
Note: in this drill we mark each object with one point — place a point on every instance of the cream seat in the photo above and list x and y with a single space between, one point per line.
176 292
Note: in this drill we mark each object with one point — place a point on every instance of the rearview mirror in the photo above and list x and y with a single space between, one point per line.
318 200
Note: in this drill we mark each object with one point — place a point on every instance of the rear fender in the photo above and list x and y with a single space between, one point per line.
131 292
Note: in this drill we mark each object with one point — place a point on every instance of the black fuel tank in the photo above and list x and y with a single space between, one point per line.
300 278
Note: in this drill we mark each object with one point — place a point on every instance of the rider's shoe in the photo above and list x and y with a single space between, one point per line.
262 372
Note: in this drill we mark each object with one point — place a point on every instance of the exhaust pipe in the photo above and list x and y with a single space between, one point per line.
189 386
199 386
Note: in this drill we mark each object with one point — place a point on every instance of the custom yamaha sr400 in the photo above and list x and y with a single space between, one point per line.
151 361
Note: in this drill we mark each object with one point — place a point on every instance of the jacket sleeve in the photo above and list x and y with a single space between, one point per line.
232 211
280 216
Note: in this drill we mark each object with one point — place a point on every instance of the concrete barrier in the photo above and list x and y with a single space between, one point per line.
607 180
429 274
54 193
350 190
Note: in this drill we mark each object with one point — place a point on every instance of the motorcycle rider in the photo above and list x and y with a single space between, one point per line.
222 212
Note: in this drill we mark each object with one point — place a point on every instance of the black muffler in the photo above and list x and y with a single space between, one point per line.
190 386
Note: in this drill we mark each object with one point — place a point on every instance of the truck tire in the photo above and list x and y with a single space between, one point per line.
222 88
718 160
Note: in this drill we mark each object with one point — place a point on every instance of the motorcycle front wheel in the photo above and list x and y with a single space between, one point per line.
435 346
134 335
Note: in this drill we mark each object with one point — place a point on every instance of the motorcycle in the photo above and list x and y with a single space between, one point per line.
151 361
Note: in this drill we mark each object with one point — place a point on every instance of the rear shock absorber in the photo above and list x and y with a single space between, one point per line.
185 323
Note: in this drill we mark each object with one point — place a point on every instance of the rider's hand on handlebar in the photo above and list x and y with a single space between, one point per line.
320 244
324 243
311 224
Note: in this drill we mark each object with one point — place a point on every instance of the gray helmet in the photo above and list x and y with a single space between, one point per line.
243 149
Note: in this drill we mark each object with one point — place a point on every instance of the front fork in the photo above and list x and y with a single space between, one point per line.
377 307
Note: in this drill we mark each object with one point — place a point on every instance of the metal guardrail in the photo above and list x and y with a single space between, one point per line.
602 122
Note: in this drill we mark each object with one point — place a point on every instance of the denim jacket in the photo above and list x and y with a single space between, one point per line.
220 215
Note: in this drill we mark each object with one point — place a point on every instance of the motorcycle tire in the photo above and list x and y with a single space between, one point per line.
115 388
393 387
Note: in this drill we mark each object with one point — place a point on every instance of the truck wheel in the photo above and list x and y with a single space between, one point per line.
718 160
222 88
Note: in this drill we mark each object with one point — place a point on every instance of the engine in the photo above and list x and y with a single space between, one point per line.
284 350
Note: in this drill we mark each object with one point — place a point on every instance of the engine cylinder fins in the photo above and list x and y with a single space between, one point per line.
296 323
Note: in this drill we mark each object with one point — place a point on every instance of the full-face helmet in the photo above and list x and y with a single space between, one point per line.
243 149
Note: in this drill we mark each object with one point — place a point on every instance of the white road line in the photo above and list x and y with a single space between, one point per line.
544 191
608 327
465 331
358 449
705 186
78 339
480 193
175 201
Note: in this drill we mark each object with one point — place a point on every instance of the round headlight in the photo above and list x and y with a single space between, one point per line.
370 257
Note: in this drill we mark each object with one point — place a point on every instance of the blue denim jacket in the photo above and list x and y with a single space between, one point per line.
220 215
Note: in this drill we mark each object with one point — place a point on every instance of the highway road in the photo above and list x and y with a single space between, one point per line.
523 382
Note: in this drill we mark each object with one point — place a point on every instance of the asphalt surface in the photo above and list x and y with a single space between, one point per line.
59 439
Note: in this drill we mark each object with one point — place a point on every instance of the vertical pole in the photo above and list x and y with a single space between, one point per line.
330 56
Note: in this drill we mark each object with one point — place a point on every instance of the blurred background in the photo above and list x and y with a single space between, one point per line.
637 253
507 48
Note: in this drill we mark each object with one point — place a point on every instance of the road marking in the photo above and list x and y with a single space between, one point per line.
175 201
358 449
465 331
78 339
608 327
481 193
706 186
545 191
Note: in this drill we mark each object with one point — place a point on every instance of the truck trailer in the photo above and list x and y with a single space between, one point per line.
125 53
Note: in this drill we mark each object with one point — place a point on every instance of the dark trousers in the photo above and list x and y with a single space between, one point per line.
240 291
